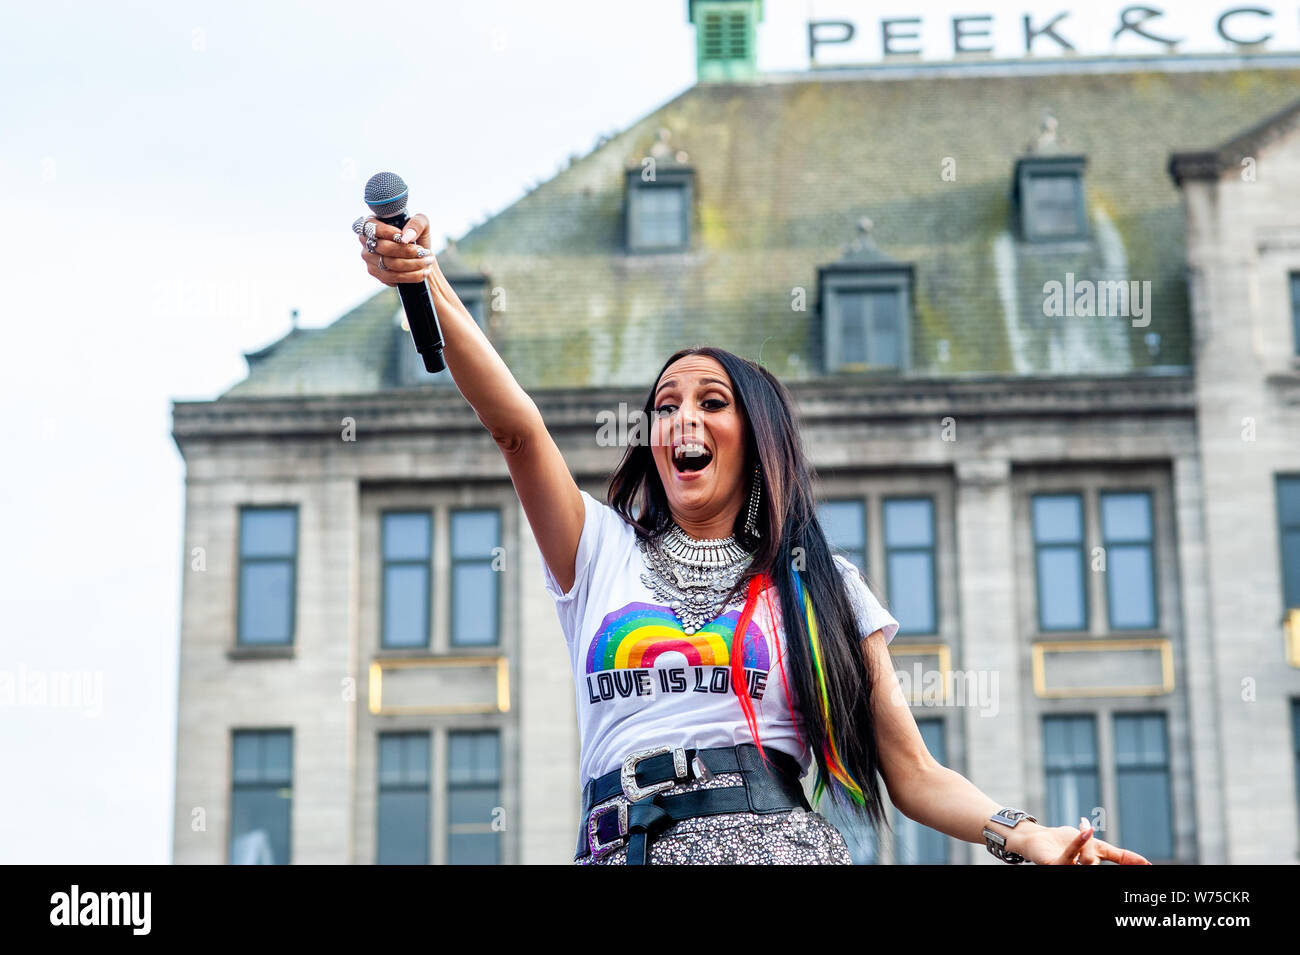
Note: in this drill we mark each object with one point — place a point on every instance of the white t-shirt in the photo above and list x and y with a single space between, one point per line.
641 681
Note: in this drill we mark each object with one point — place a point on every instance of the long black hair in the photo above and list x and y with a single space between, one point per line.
789 537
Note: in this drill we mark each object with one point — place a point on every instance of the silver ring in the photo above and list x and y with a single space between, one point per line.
359 224
370 229
370 244
382 267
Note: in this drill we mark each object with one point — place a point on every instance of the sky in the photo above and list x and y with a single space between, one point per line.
175 178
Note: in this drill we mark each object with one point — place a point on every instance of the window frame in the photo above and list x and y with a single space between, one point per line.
667 176
1290 601
1097 758
845 277
385 563
241 560
234 733
1152 563
1085 597
1295 745
453 562
932 550
427 788
449 786
1031 167
1167 767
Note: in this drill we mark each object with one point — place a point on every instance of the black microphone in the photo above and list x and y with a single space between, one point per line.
386 197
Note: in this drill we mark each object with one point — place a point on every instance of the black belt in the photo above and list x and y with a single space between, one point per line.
647 778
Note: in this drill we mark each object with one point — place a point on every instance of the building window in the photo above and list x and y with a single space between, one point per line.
268 557
1059 561
1070 762
1050 199
403 799
865 307
473 798
909 562
1142 779
1295 310
845 526
659 209
407 548
866 320
1295 742
724 37
914 843
475 587
261 798
869 323
1127 536
1288 518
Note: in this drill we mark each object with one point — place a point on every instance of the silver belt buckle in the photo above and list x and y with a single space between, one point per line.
600 849
627 777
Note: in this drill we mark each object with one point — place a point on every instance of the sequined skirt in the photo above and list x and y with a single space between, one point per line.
797 837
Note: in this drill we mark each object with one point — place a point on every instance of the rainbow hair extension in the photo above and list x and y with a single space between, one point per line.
830 751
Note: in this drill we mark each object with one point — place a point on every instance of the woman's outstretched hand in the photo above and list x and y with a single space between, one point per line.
397 256
1065 845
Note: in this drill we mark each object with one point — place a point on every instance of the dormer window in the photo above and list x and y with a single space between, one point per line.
659 209
1049 198
866 310
725 37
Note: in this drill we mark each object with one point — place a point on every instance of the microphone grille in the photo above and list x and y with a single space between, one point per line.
386 194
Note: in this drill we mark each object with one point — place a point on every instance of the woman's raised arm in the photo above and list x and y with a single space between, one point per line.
546 490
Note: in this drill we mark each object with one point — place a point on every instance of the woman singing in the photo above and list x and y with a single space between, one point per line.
719 650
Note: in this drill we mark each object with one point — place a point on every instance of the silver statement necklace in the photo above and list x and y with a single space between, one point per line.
692 576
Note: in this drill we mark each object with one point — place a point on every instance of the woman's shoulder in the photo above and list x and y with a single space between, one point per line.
871 613
605 519
846 566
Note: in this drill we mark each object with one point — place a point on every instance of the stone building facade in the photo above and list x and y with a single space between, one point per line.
1088 524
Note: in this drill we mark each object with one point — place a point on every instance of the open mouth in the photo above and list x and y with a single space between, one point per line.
691 457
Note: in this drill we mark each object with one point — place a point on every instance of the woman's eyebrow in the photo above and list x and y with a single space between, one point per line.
672 382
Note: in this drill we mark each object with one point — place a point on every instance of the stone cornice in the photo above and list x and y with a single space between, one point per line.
830 401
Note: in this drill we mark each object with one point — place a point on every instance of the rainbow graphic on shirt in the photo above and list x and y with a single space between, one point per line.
634 637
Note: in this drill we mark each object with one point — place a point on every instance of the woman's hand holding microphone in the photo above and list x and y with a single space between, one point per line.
397 256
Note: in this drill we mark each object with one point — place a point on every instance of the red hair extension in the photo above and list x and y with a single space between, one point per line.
780 656
738 680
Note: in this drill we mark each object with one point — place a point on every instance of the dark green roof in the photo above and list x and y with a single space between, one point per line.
784 171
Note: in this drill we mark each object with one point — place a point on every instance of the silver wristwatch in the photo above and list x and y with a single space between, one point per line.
997 843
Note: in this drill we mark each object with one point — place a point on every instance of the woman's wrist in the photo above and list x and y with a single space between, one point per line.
1018 835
